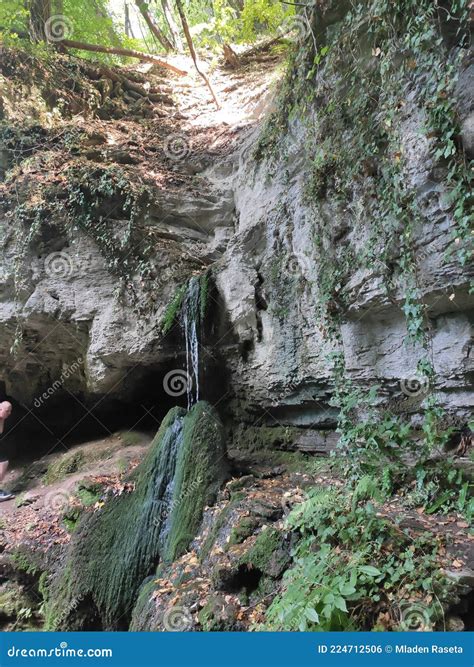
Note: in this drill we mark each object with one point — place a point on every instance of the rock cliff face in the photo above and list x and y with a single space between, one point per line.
75 320
305 281
274 271
270 239
270 277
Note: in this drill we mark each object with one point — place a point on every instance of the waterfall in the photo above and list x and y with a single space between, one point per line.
190 318
165 481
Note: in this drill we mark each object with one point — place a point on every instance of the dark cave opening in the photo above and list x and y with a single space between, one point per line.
245 579
465 611
60 420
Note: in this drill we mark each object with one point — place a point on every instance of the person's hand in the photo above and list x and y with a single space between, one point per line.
5 409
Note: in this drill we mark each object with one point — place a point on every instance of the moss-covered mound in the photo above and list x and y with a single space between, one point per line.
115 548
200 471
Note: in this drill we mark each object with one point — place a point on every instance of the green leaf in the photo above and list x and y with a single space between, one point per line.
340 603
312 615
438 503
370 570
347 589
327 611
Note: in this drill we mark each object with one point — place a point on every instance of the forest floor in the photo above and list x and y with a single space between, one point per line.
45 487
160 129
41 497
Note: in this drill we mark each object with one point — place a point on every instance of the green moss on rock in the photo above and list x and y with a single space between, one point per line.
173 309
132 438
145 608
114 549
218 615
219 522
192 295
89 492
27 560
71 516
269 553
66 465
200 470
10 603
256 438
244 529
18 604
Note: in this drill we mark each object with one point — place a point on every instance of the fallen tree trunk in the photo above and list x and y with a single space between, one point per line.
127 53
262 46
105 72
234 61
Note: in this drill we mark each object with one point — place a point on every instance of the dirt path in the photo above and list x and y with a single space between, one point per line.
35 514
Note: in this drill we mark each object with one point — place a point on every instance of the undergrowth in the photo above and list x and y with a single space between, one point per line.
353 570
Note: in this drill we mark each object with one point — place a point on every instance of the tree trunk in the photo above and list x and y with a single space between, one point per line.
238 5
40 12
128 25
128 53
189 39
154 29
173 26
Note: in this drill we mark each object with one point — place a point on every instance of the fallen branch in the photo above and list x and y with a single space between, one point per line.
262 46
154 29
127 53
189 40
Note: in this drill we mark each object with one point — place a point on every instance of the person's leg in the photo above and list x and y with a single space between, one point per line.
3 470
4 495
